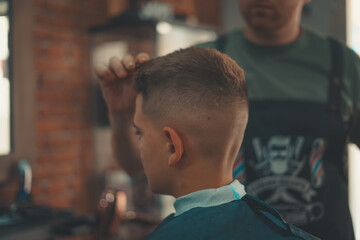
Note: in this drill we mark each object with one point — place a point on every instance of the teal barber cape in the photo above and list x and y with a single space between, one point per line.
225 213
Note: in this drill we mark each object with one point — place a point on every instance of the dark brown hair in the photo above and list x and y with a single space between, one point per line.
192 80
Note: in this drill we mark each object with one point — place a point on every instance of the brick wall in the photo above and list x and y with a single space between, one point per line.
64 156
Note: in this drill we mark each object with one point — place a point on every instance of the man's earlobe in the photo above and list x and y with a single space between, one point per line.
175 146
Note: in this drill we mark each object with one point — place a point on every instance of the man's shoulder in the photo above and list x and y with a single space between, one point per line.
226 221
269 213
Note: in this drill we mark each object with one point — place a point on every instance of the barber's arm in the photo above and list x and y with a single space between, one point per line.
116 81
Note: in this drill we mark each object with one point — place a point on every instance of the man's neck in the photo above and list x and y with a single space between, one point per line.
282 36
201 180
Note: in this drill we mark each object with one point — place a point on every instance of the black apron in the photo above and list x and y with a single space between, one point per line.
292 158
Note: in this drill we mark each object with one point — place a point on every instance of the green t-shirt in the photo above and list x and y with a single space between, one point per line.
298 71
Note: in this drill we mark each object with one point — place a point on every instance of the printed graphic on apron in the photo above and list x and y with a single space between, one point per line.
289 171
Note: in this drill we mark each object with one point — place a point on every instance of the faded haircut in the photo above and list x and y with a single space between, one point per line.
191 81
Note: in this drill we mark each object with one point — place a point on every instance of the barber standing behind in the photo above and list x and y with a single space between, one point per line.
304 94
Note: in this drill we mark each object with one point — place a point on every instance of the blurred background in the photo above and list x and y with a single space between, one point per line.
54 134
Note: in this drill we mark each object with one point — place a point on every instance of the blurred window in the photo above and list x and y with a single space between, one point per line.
173 37
5 79
353 24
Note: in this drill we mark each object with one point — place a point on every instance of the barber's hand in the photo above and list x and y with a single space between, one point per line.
116 82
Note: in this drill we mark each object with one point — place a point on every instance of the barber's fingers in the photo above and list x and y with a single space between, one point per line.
123 68
116 66
120 68
142 58
128 62
104 74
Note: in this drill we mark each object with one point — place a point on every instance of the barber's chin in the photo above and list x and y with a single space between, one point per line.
261 18
262 24
261 11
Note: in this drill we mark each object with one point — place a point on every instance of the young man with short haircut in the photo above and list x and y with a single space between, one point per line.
190 117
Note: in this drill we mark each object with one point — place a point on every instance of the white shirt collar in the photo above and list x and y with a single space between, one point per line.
209 197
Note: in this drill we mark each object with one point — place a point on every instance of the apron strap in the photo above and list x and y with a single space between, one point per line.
336 76
334 98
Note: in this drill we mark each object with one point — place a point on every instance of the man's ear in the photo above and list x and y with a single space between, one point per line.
175 145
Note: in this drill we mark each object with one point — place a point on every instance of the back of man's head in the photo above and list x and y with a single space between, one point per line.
200 92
